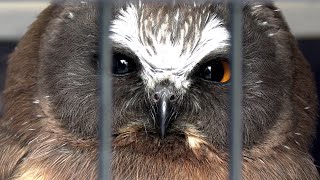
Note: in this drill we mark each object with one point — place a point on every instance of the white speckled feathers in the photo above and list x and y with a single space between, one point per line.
168 42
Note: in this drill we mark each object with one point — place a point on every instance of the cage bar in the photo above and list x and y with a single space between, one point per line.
235 162
106 91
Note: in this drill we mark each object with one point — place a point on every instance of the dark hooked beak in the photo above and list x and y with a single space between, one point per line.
165 102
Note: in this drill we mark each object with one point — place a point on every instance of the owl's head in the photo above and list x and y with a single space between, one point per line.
171 74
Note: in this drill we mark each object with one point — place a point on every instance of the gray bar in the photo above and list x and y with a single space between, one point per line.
236 90
106 92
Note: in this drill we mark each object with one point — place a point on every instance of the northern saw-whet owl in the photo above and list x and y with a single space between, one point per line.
171 85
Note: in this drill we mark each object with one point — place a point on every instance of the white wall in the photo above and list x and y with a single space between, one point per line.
303 17
17 15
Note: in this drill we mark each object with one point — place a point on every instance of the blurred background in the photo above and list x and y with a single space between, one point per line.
303 18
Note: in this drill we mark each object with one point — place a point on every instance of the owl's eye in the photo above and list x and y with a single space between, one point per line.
122 64
215 71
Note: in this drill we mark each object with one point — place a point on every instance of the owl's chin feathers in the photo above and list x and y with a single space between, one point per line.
186 142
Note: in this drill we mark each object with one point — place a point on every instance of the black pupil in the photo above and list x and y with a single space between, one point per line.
122 64
212 71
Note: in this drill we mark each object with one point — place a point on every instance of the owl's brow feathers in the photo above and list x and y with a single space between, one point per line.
168 42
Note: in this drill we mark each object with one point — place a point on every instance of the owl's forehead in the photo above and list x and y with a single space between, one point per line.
172 24
169 40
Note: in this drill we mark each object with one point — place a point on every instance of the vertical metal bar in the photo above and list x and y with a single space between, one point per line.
106 91
236 90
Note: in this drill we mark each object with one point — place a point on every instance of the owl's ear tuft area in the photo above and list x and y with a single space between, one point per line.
267 14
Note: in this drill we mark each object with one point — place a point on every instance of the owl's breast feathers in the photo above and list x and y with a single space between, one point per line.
55 154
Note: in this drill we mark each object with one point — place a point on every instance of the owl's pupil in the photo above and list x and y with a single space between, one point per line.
208 73
214 71
122 64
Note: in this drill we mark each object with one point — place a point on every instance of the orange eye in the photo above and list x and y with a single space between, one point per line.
227 72
217 70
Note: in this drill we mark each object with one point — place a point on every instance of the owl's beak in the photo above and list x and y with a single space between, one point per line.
164 106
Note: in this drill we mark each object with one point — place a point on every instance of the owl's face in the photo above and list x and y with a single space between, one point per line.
171 72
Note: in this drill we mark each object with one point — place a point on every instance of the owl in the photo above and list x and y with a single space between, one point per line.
171 85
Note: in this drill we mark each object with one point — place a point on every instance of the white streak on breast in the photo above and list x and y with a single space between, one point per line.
168 61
